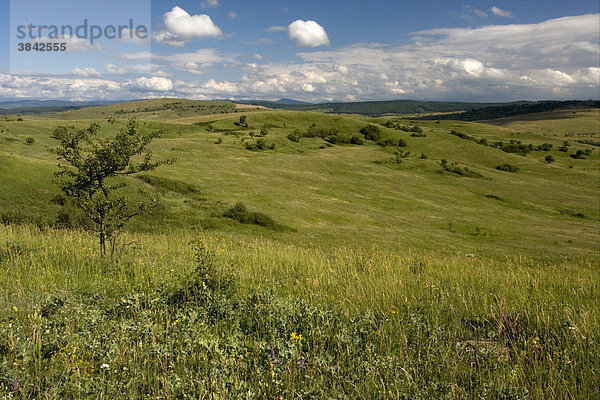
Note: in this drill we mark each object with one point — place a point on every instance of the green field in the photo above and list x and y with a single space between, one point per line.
387 273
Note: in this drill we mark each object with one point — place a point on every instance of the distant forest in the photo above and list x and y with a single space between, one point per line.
510 109
441 109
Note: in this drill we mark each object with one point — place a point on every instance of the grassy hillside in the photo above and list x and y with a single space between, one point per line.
353 194
159 109
378 108
410 265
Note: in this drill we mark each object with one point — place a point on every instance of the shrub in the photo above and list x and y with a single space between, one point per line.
579 155
261 144
544 147
240 213
455 169
295 136
30 140
461 135
19 119
357 140
549 159
401 143
242 122
507 167
371 132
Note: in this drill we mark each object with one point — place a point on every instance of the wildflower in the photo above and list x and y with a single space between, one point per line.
104 366
15 383
301 365
15 309
295 336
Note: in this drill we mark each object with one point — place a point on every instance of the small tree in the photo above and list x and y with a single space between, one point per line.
91 171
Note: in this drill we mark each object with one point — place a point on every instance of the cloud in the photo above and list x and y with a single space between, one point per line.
500 12
210 4
127 69
115 69
553 59
308 34
195 62
154 84
233 15
257 56
181 28
476 11
276 28
85 72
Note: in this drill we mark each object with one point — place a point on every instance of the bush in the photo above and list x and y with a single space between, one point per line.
30 140
463 171
544 147
579 155
371 132
549 159
240 213
507 167
260 144
357 140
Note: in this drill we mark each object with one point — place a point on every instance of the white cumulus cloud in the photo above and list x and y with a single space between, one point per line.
308 34
85 72
210 4
154 84
500 12
181 27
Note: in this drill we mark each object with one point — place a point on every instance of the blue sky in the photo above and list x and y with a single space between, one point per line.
310 50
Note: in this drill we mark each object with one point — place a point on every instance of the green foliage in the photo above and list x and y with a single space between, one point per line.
549 159
173 185
355 139
267 320
544 147
242 122
507 167
579 155
371 132
458 170
240 213
260 144
30 140
91 169
514 146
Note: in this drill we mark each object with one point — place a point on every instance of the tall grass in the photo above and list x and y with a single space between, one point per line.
210 316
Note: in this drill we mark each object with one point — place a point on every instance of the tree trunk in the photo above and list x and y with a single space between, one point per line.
102 244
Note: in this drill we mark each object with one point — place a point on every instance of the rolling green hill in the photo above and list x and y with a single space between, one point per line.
359 194
409 259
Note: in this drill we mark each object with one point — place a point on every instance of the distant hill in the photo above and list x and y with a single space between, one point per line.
510 109
47 106
155 109
290 101
377 108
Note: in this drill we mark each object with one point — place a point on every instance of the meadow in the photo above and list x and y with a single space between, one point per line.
382 274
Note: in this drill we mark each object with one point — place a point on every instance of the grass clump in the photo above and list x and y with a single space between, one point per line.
507 167
172 185
241 214
458 170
